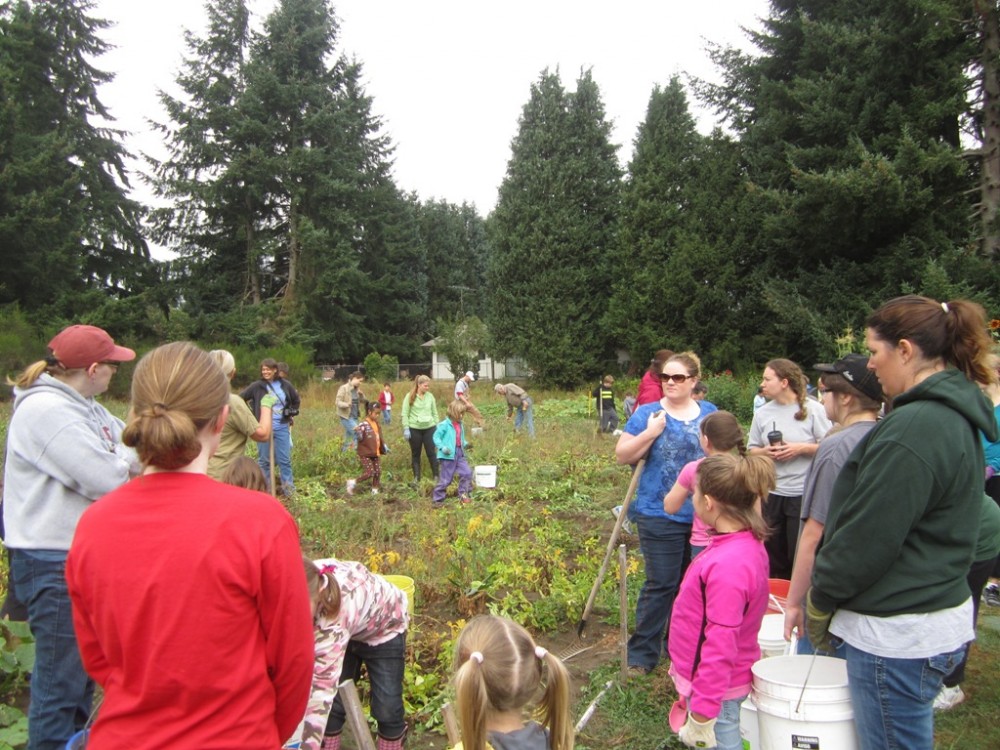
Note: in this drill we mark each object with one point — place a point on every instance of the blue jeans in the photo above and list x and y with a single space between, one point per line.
666 553
385 664
387 416
524 416
61 691
282 456
350 436
893 698
804 647
727 726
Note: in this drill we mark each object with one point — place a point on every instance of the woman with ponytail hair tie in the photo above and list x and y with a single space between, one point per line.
189 600
889 580
787 429
498 673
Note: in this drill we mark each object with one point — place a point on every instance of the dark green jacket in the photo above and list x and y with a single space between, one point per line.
904 515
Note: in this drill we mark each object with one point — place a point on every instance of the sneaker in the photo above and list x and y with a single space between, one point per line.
948 698
626 525
465 499
991 595
635 671
374 490
350 486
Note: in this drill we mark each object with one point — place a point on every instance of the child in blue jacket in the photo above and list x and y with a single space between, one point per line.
449 439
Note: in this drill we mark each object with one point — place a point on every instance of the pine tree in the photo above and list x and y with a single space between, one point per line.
68 232
849 122
552 234
216 216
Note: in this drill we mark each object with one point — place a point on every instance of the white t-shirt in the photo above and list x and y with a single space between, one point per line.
791 474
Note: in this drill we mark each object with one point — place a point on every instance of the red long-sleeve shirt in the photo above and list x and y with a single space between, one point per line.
191 610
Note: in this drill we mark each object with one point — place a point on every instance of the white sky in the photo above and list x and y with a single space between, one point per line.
450 77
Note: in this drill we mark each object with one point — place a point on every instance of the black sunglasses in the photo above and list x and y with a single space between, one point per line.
676 378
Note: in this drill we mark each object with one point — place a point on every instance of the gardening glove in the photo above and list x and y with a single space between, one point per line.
696 733
406 433
818 625
269 400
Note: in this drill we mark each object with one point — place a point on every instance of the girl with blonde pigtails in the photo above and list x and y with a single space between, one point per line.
498 671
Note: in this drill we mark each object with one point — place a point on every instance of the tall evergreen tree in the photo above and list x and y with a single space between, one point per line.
68 232
552 234
849 120
655 208
455 241
217 217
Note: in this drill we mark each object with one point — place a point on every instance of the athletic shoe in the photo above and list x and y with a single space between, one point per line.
948 698
991 595
465 499
626 525
374 491
350 486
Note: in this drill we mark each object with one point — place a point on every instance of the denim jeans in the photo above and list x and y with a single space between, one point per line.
727 725
666 553
893 698
282 438
524 416
350 436
804 647
61 691
387 416
385 664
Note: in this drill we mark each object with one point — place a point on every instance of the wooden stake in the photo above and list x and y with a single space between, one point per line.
355 715
623 614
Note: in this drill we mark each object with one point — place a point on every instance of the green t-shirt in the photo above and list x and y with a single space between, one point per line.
240 425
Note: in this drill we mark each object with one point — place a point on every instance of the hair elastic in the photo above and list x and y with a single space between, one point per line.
944 306
476 656
540 652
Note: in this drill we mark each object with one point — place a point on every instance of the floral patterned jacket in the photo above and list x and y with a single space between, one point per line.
372 611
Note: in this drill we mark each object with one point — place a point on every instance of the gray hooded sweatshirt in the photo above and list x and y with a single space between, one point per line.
63 452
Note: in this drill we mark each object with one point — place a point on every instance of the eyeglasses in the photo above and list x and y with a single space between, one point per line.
113 365
675 378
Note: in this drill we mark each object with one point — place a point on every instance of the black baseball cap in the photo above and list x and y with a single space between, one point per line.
854 369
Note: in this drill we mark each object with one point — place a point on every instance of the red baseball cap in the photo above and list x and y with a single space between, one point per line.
82 346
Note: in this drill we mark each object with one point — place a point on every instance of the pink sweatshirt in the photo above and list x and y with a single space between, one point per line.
723 596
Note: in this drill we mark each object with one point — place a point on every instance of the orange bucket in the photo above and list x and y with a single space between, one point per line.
779 590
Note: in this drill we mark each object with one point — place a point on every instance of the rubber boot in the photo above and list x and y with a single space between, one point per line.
397 744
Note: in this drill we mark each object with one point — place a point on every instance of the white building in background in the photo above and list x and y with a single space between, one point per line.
512 368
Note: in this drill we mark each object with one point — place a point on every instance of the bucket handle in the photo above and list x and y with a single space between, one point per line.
812 661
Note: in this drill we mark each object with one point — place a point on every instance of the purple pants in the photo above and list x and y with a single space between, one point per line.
449 469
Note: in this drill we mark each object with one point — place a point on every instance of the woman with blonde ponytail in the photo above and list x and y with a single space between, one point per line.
722 600
498 671
189 601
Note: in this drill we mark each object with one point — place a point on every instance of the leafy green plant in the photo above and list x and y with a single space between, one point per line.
17 657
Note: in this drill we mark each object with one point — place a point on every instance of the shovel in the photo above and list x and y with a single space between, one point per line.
612 542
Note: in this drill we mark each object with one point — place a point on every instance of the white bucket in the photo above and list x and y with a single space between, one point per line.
486 476
771 636
822 720
749 729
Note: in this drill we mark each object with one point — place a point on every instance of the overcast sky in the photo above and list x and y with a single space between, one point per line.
450 77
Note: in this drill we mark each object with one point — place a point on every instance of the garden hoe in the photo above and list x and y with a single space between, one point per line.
612 542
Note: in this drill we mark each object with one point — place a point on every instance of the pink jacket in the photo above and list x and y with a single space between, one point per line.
723 596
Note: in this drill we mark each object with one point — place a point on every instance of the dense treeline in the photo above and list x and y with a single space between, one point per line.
860 162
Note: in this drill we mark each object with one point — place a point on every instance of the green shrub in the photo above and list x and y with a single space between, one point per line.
381 368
